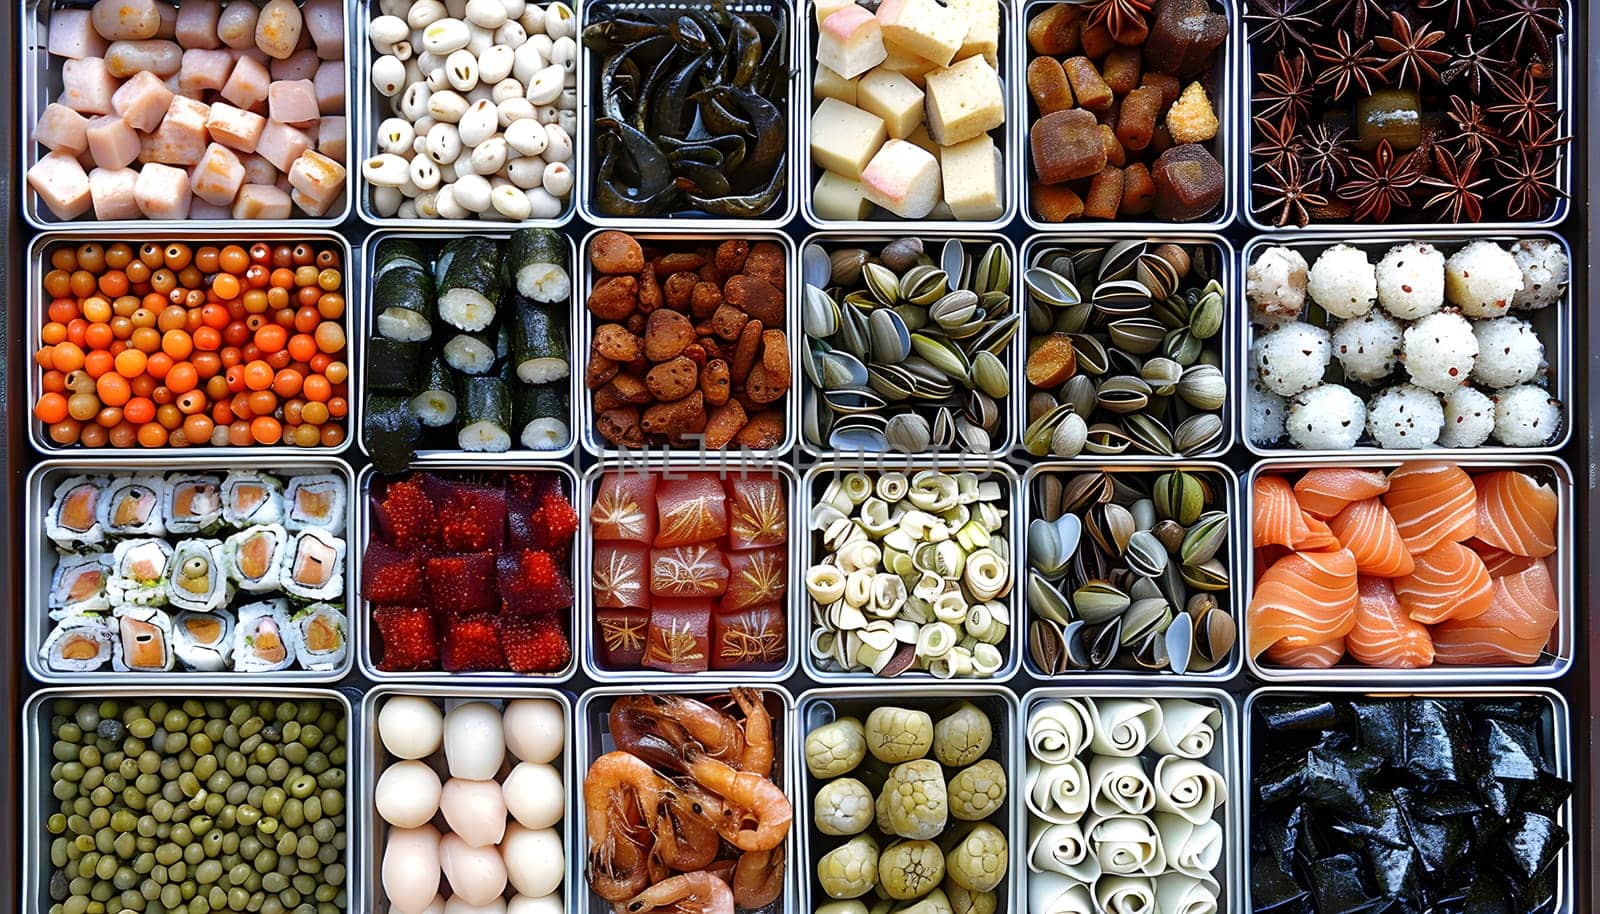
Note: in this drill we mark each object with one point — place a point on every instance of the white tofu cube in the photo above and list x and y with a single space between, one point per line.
826 8
903 179
971 174
162 191
983 29
112 143
910 65
262 201
844 138
61 184
850 42
72 35
839 199
893 97
317 180
87 86
216 178
829 84
112 192
926 28
964 100
61 127
921 138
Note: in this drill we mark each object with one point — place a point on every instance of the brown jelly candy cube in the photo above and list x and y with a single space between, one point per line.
1066 146
1047 83
1138 190
1056 202
1185 35
1054 30
1115 154
1137 120
620 636
1171 87
1121 69
1105 194
1096 41
1087 87
1189 183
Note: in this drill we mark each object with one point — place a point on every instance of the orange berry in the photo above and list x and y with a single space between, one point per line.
51 408
113 389
130 363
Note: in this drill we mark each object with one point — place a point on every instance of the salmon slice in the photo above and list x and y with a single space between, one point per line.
78 509
144 647
1449 582
1366 528
1298 652
134 507
268 643
1307 594
1319 537
1516 513
255 556
1383 634
1513 630
86 584
1431 503
1324 492
1498 561
1277 519
322 635
313 503
78 646
203 629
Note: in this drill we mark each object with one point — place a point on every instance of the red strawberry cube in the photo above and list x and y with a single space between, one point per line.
472 643
407 641
620 637
758 512
404 516
688 571
463 584
679 640
692 508
624 507
392 576
621 576
534 644
756 577
530 581
472 518
751 639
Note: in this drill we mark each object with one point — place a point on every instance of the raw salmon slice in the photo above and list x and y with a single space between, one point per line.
1449 582
1277 520
1307 594
1498 561
1366 528
1431 503
1298 652
1516 513
1383 634
1319 537
1324 492
1513 630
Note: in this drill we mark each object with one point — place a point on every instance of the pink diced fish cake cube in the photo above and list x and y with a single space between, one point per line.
181 138
247 86
294 102
112 191
318 179
87 86
143 101
281 144
330 87
112 142
259 171
204 70
72 35
61 127
61 183
331 137
235 127
217 176
162 191
262 201
197 24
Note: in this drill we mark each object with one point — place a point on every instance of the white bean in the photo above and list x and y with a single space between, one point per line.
479 123
472 191
386 200
505 90
397 8
406 210
560 148
557 179
495 63
461 68
526 61
410 188
427 204
516 109
543 43
444 143
384 170
565 53
571 81
532 19
491 14
404 51
514 8
568 100
388 75
512 34
526 172
457 8
424 13
545 205
447 106
527 137
548 114
489 156
419 146
545 86
384 31
395 135
422 125
511 202
462 166
447 205
424 173
479 39
445 36
559 21
447 174
568 121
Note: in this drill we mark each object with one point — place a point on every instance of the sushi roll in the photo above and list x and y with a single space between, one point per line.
264 638
252 557
192 504
142 641
80 645
131 506
198 580
313 566
251 498
321 637
204 641
315 501
78 586
139 571
74 521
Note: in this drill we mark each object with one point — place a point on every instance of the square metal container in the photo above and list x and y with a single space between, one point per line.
1225 759
372 109
372 760
690 221
367 304
794 619
1557 739
42 84
1554 325
1010 138
43 558
1228 101
1233 600
1562 84
37 801
820 706
361 610
594 740
812 486
584 323
1009 435
33 308
1233 349
1561 565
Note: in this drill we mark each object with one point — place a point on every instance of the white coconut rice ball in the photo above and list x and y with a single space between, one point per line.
1367 347
1264 411
1343 281
1481 278
1509 352
1291 358
1405 417
1545 271
1526 416
1328 417
1440 351
1411 280
1468 418
1275 286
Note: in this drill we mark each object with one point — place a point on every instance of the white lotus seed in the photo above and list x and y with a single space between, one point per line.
461 68
545 206
509 201
547 114
428 204
545 86
512 34
384 31
424 173
480 93
472 191
445 36
395 135
558 179
559 21
526 61
396 8
565 53
528 137
444 143
424 13
388 75
386 200
532 19
526 172
447 205
447 106
568 121
505 90
560 148
514 8
516 109
406 210
495 63
384 170
489 156
478 123
490 14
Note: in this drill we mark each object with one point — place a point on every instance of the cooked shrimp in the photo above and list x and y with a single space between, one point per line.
758 878
757 755
686 838
698 892
759 815
620 793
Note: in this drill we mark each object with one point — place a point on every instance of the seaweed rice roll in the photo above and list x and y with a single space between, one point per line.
204 641
315 501
74 520
143 642
138 573
263 638
321 639
313 566
79 645
198 580
131 506
251 498
252 557
192 504
78 586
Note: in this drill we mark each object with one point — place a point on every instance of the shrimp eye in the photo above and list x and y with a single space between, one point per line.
697 807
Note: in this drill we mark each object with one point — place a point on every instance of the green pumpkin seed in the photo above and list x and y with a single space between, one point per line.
1179 496
1205 321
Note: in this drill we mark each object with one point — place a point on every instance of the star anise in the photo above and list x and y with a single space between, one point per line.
1475 64
1463 13
1458 185
1357 12
1473 132
1527 20
1347 65
1408 50
1531 182
1379 184
1278 142
1123 19
1526 109
1280 22
1327 155
1289 196
1287 88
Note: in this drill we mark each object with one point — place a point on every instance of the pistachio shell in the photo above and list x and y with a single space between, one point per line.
1097 601
820 315
908 433
943 355
1197 433
881 282
1201 541
1203 387
846 264
889 337
989 375
901 254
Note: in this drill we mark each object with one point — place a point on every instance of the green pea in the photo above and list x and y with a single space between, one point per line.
124 845
266 861
56 824
316 763
171 896
125 878
211 844
168 854
175 721
240 874
293 814
63 790
194 854
208 872
116 780
150 889
147 783
238 900
277 769
267 826
106 867
71 771
124 821
272 906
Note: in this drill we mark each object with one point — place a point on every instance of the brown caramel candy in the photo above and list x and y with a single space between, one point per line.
1138 191
615 252
1066 145
1088 88
1054 30
1056 202
1121 69
614 298
1047 83
666 334
1140 108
